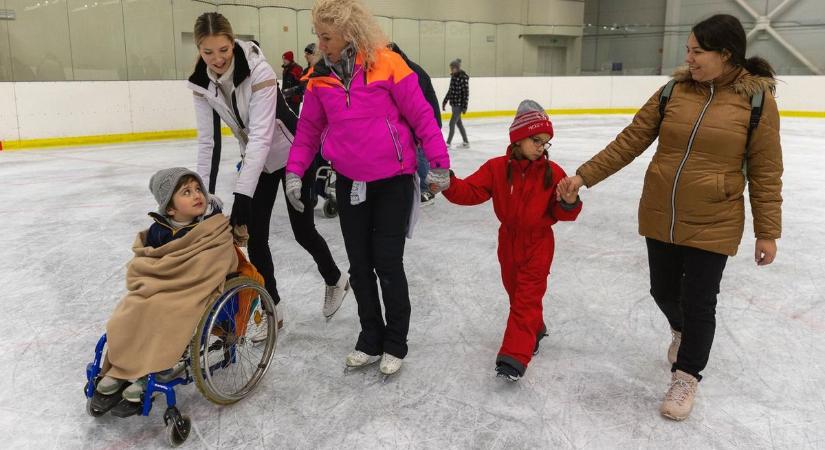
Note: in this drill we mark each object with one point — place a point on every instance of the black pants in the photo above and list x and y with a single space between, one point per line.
684 282
303 228
374 235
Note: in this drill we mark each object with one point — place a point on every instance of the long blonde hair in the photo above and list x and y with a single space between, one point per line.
354 21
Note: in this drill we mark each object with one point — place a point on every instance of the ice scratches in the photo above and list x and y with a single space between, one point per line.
597 383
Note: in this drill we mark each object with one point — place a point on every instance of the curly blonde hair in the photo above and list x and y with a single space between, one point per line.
354 21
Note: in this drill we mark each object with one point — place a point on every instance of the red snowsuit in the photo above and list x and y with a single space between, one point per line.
526 210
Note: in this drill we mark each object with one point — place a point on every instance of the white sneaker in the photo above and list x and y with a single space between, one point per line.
673 350
335 295
357 358
390 364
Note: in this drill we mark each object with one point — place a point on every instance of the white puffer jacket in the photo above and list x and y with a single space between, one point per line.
256 114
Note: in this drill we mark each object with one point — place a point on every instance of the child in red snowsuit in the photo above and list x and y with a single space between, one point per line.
527 199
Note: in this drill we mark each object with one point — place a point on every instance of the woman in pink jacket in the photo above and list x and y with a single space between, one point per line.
364 110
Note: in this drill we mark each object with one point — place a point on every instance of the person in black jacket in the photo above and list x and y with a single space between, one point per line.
459 97
298 90
427 89
291 78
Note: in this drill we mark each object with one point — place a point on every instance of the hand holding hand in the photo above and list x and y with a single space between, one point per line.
765 251
438 180
568 189
293 191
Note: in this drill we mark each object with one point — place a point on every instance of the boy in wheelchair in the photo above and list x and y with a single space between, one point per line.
180 262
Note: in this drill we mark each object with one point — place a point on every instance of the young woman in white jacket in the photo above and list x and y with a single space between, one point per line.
233 83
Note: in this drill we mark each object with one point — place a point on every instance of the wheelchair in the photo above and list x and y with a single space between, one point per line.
228 355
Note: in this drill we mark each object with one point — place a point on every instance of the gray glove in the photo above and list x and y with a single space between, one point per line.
293 191
438 180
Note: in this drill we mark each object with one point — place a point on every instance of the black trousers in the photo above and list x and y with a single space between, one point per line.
684 281
302 224
374 235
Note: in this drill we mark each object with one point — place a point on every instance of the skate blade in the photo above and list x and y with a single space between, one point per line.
352 369
385 377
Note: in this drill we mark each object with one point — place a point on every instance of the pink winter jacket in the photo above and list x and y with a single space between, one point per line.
366 131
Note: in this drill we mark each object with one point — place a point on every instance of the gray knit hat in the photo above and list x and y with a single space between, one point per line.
456 63
163 182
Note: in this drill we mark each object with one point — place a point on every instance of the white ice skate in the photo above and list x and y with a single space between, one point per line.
358 359
335 296
389 365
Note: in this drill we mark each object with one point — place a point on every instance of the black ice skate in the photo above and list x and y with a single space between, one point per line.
506 371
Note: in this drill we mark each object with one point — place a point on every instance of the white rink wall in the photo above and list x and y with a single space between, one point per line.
44 110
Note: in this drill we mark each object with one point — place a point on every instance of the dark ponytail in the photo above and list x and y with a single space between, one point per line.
724 33
759 66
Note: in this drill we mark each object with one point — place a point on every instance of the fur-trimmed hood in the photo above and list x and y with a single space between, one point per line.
742 82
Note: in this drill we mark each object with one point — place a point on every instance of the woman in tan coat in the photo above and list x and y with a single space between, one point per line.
692 211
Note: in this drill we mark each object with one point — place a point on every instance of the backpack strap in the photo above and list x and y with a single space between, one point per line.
664 96
757 101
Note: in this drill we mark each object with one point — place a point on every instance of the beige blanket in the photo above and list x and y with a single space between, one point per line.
168 290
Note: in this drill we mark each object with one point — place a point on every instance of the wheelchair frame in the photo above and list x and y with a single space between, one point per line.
177 425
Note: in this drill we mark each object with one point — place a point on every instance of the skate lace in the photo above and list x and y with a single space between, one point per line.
679 391
328 296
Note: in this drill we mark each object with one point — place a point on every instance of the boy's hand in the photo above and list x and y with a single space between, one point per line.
293 191
765 251
241 210
568 190
438 180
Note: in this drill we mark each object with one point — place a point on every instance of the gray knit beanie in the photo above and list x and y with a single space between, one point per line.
456 63
163 182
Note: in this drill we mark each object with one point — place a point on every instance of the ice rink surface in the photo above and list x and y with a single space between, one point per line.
70 216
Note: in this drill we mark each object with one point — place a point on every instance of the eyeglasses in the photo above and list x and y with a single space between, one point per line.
545 145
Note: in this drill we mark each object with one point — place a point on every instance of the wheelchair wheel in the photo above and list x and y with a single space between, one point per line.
234 342
177 427
330 208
